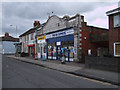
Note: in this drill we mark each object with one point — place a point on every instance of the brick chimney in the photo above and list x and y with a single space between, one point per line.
36 23
6 34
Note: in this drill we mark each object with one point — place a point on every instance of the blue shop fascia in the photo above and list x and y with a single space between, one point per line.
57 42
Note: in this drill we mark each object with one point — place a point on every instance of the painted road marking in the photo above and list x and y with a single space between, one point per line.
93 80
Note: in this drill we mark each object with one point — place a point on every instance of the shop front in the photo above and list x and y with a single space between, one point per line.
59 43
41 47
31 50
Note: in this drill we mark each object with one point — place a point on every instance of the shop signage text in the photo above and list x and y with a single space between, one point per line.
41 41
41 38
61 33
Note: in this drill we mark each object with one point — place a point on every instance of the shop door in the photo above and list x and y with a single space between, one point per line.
41 51
31 51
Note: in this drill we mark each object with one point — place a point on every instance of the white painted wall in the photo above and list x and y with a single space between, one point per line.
52 24
8 47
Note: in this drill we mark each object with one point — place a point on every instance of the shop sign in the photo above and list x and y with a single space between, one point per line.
117 49
41 38
61 33
41 41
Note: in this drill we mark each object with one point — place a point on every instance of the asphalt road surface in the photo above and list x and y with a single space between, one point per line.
17 74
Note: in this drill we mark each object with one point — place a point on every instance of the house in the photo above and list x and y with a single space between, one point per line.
7 43
73 34
27 40
114 31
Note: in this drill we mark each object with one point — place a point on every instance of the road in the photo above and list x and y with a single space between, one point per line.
17 74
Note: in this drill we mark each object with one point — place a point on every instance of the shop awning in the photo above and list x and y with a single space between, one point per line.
31 45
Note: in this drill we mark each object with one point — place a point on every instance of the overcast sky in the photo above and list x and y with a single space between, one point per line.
23 14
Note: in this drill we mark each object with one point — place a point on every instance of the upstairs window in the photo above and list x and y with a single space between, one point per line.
31 36
117 20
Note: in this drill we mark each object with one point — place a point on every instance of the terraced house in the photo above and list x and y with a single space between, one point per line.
28 40
70 33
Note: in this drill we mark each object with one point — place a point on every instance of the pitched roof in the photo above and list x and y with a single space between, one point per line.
9 38
114 11
97 27
30 31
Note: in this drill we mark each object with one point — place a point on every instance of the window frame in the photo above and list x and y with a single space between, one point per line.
118 20
115 49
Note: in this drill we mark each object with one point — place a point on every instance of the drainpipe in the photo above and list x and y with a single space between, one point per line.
79 51
36 56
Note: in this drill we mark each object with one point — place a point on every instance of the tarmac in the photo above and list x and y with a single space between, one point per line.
74 68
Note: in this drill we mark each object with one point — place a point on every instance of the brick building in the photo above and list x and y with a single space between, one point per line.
114 31
95 40
73 34
70 33
27 40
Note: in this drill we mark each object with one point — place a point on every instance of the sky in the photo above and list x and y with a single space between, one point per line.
23 13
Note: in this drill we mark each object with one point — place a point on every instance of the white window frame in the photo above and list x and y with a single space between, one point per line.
115 50
117 19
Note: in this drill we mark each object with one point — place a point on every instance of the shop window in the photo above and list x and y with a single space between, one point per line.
71 51
54 51
117 49
49 49
69 45
116 20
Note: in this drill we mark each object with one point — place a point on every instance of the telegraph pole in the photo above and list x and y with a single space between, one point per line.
35 56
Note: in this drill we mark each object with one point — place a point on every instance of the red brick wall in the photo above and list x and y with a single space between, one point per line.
113 35
86 44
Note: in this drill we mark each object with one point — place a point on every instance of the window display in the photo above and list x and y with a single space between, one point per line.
51 51
56 51
69 52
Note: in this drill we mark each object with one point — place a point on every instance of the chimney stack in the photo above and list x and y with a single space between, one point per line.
6 34
36 23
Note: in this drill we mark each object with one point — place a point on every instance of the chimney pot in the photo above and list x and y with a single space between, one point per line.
36 23
6 34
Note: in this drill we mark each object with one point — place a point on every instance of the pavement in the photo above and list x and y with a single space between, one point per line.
74 68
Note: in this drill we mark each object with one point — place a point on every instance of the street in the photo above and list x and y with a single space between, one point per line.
17 74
